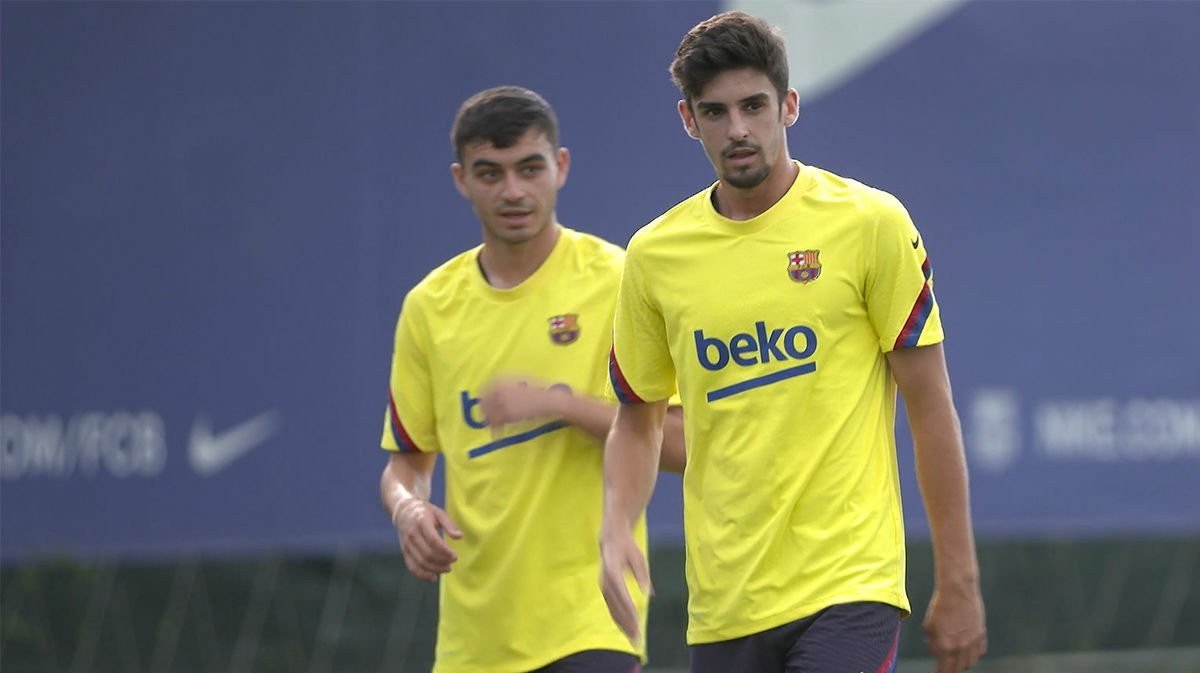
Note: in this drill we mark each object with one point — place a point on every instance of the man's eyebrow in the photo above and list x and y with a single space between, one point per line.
488 163
761 97
756 98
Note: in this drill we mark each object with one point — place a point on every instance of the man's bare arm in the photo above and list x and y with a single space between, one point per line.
631 457
510 400
404 488
954 623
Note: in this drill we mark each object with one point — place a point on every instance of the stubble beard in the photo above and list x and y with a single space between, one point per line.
748 178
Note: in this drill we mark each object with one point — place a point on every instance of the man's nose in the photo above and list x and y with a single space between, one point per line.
738 128
513 189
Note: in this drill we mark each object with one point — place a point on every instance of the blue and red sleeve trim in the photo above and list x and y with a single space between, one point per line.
403 441
910 335
624 391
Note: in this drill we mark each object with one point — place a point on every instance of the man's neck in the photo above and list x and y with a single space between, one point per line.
507 265
744 204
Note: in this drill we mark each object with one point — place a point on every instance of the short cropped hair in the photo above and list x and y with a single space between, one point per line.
501 115
729 41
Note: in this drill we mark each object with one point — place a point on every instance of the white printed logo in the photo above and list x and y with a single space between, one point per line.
210 453
994 438
829 41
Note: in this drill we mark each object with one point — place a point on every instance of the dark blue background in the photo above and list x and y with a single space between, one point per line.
215 209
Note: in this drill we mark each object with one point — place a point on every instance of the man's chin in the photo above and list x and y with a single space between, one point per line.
516 235
746 178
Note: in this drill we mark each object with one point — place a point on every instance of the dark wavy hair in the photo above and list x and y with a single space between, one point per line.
729 41
501 115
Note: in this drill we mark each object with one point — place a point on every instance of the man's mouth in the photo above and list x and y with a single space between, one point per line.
515 215
740 154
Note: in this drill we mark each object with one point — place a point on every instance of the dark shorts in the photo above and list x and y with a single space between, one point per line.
594 661
848 638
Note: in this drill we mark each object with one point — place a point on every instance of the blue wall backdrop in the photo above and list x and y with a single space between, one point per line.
211 213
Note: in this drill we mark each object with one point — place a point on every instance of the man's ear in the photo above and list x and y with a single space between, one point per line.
562 158
791 107
456 171
689 120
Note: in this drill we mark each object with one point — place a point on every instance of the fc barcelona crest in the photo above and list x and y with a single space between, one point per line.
804 265
564 329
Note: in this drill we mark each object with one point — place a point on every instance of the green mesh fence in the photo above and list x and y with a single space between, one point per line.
1119 605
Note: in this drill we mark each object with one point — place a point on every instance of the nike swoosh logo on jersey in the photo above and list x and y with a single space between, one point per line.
916 241
210 453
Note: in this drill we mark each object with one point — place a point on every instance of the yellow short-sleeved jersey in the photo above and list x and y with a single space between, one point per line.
524 591
776 329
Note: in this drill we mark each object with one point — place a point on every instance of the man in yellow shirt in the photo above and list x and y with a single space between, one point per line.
787 305
500 364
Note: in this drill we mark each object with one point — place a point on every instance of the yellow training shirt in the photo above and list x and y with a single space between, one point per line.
776 330
525 589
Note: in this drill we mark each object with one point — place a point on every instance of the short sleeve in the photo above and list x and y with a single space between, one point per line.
899 280
640 367
409 421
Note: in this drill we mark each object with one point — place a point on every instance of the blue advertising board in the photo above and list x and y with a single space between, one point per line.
212 211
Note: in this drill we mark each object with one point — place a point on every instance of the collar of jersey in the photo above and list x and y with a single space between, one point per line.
777 212
536 280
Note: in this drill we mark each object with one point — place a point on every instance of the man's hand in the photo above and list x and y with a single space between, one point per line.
619 554
506 401
420 525
954 626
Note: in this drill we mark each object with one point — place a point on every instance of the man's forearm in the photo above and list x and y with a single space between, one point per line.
941 466
631 457
673 455
595 417
591 415
404 478
942 473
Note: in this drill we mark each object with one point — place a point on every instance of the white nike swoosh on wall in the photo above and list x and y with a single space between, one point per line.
829 41
210 453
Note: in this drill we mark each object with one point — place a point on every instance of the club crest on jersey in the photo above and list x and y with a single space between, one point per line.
804 265
564 329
